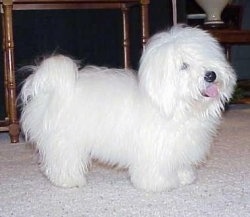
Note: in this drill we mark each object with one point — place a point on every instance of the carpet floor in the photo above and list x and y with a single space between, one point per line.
222 189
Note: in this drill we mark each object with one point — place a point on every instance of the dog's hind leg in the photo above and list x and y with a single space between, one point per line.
187 175
63 163
151 179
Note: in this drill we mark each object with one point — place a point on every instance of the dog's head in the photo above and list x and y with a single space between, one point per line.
185 68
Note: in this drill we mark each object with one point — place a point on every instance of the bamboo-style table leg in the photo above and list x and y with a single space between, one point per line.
228 52
145 22
144 26
5 69
14 130
126 39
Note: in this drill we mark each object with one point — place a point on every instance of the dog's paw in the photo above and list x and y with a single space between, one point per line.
68 182
186 176
155 183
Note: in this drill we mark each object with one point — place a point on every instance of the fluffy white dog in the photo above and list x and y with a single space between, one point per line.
160 124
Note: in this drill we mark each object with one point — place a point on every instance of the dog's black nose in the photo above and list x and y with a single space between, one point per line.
210 76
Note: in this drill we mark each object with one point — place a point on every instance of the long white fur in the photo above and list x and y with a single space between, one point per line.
158 124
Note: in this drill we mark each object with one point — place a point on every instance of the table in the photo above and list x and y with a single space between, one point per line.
229 37
10 123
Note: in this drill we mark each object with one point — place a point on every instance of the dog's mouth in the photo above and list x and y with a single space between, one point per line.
211 90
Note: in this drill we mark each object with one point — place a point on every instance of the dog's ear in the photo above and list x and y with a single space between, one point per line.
159 75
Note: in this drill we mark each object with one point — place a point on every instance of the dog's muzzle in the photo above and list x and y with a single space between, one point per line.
211 89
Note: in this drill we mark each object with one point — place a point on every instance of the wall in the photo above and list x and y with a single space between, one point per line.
241 54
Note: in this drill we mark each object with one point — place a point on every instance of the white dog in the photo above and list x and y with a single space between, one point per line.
160 124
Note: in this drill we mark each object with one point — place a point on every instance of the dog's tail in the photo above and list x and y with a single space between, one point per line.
54 74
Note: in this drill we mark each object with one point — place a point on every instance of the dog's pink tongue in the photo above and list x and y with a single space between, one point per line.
211 90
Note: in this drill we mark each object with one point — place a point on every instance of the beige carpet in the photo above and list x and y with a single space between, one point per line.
223 187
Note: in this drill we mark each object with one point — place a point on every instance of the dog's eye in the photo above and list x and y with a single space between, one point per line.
184 66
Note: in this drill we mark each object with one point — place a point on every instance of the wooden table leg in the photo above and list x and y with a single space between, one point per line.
126 39
145 22
228 52
5 70
10 71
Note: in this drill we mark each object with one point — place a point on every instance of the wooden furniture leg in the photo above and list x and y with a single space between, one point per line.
9 72
144 26
5 69
145 22
126 40
228 52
